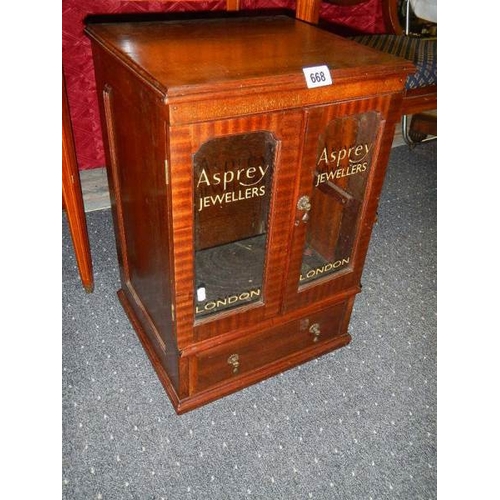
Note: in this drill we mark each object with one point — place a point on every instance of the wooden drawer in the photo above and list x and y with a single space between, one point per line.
278 346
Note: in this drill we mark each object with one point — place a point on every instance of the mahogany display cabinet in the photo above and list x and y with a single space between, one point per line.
246 157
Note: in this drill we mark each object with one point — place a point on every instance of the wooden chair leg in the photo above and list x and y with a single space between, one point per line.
421 128
423 124
73 200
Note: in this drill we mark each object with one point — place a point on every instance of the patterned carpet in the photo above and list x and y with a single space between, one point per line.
359 423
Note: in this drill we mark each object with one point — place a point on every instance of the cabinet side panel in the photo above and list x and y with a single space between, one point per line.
135 154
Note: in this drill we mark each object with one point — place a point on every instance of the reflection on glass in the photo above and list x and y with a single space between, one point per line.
343 162
232 186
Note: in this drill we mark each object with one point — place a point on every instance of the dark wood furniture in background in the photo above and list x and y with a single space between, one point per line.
417 100
244 189
73 200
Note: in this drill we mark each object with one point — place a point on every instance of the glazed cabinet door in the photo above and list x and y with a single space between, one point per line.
333 213
233 182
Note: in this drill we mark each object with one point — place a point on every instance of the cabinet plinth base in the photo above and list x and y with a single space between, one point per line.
183 405
149 348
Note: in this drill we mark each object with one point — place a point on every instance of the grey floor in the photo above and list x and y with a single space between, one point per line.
359 423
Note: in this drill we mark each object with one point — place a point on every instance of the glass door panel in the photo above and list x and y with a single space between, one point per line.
232 194
332 211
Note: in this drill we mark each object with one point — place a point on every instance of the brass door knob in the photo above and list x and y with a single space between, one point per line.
304 204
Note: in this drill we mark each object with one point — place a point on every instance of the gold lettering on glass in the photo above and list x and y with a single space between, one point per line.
232 180
345 149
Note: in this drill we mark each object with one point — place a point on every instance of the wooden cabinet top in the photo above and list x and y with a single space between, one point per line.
200 55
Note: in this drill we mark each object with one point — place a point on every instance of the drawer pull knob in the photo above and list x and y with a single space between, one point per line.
315 330
234 361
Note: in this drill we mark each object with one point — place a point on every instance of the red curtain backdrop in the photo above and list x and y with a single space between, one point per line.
77 55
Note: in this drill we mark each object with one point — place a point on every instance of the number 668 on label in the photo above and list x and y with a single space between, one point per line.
317 76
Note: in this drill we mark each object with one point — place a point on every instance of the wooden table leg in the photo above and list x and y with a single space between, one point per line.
73 199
